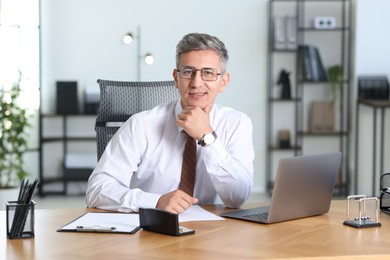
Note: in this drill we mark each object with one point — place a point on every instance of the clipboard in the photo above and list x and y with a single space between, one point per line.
104 222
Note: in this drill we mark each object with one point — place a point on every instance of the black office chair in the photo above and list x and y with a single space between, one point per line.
121 99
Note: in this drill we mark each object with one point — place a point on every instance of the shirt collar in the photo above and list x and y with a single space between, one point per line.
178 109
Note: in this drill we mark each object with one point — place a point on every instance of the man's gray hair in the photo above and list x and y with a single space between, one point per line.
201 41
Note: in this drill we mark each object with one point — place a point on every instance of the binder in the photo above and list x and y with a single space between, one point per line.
300 65
291 32
305 62
279 33
322 76
104 222
310 66
314 64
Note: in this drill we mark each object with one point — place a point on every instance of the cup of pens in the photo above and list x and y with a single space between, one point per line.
20 213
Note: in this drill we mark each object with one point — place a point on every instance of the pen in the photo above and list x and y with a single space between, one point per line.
95 229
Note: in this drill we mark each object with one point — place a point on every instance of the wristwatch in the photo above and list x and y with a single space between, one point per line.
208 139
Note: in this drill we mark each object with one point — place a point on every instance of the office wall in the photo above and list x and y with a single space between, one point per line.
372 57
82 40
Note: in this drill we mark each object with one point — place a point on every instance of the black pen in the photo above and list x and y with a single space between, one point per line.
20 191
28 199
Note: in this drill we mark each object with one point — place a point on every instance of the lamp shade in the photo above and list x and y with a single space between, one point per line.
128 38
149 59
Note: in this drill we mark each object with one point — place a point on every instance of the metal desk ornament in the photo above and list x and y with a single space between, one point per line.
362 220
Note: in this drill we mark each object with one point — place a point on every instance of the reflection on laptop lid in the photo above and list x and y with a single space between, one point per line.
303 187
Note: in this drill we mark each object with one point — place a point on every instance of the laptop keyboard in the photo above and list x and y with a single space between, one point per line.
262 216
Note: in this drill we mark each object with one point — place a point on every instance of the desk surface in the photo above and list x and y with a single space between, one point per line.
322 236
375 103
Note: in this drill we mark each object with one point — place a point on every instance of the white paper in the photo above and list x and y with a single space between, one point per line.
125 222
121 221
196 213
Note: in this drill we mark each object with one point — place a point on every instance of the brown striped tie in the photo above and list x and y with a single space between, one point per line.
187 180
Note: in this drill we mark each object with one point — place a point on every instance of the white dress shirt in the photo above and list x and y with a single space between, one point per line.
144 158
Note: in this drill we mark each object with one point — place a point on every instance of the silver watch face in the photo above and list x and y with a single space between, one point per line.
209 139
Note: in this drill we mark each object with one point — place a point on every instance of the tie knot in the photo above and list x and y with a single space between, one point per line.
187 136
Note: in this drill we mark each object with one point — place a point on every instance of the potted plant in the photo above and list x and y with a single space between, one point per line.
13 136
336 80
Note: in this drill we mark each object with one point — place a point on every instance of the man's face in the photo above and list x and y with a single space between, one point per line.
196 91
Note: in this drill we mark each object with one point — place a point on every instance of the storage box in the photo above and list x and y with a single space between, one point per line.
373 87
322 117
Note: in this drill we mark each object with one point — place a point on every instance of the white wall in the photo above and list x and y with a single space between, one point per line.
372 57
82 40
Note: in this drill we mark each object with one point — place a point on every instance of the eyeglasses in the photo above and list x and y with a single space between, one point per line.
207 74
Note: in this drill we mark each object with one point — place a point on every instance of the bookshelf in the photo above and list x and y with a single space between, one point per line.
68 151
297 115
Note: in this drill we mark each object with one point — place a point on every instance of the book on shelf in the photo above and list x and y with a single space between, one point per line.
313 62
310 66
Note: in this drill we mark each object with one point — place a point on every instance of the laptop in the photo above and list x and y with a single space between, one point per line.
303 188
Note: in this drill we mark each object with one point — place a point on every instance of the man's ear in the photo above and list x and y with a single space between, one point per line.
224 82
174 74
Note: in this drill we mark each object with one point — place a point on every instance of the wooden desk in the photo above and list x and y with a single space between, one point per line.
322 236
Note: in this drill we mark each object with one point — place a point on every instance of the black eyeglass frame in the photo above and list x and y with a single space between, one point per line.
194 70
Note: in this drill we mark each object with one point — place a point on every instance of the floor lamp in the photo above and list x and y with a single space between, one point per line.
148 58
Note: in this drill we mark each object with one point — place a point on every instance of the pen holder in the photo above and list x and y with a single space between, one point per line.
20 219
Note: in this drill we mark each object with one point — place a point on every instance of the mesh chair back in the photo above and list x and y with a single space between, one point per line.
121 99
385 182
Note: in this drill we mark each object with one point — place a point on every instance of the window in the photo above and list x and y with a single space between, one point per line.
19 48
19 52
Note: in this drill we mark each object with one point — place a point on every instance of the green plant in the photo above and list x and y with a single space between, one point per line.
13 136
336 80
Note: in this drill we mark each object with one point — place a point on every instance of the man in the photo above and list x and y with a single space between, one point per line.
142 164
